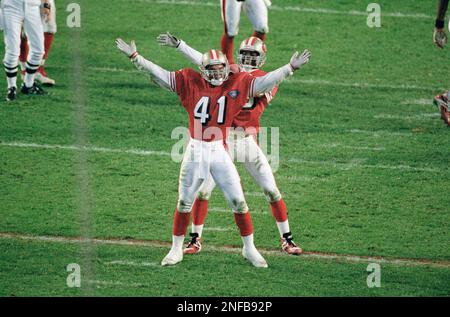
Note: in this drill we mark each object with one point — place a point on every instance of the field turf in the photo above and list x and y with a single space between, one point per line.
364 158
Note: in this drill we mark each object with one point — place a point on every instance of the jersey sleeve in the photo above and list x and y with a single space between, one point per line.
246 83
179 81
269 95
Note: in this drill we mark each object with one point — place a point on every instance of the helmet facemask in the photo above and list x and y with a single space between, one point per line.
249 59
214 68
252 53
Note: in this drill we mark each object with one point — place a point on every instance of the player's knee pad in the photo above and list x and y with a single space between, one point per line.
240 207
35 57
184 206
49 27
272 195
11 58
204 195
264 29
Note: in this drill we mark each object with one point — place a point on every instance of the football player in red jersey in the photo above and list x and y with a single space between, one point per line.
256 11
251 57
212 98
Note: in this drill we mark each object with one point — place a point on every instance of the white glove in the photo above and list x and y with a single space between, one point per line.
167 39
129 50
439 37
298 60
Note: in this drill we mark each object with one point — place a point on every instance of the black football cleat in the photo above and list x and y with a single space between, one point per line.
34 90
12 94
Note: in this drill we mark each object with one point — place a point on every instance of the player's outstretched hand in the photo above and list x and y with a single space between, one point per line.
167 39
298 60
439 37
128 49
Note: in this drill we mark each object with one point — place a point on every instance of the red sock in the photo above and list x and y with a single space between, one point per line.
48 39
279 210
180 223
261 36
244 223
199 211
227 45
23 49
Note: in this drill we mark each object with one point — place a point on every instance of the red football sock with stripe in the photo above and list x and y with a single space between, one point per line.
244 223
261 36
180 223
227 45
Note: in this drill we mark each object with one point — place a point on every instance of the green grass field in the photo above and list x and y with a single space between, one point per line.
364 158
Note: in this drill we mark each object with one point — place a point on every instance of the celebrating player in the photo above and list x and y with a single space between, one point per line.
212 99
256 11
251 57
26 14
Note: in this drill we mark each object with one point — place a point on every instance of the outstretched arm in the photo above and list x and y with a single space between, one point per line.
167 39
267 82
158 75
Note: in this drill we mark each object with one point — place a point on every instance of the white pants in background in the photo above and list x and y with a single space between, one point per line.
26 14
256 11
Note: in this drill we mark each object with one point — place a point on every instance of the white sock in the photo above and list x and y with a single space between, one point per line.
29 80
12 81
177 242
283 227
23 66
197 229
248 241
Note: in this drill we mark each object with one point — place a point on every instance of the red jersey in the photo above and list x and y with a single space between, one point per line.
251 113
211 109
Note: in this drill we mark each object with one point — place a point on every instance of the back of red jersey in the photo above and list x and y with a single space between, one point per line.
251 113
211 109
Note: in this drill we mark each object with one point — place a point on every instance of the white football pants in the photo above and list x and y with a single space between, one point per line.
50 25
246 150
256 11
209 159
26 14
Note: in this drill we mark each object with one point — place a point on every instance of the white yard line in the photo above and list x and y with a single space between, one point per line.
228 211
291 8
133 263
295 81
235 250
348 147
355 163
422 116
100 283
421 102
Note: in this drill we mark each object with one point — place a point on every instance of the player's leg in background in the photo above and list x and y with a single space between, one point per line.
12 23
227 179
199 212
257 13
259 168
189 184
24 49
35 35
50 29
231 12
